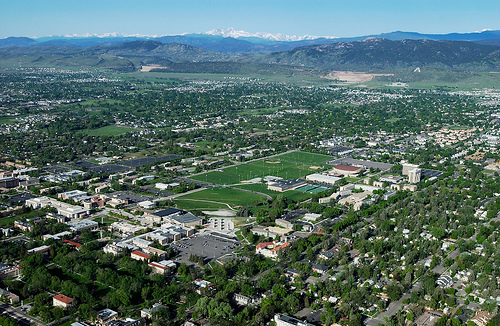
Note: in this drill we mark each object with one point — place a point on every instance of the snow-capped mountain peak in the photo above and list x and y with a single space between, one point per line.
231 32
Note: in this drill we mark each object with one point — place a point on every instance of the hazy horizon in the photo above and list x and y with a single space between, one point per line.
318 18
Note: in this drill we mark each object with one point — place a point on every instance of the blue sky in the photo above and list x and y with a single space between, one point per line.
340 18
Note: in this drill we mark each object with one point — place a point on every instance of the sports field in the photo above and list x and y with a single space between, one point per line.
218 197
288 166
108 131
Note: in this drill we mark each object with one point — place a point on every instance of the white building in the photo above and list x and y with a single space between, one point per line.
414 175
162 267
321 178
60 300
83 225
67 210
283 320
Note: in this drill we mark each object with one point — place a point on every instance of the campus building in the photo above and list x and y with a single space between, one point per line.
284 185
347 170
321 178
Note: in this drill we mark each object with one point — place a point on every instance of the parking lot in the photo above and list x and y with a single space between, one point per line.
209 246
366 164
426 173
149 160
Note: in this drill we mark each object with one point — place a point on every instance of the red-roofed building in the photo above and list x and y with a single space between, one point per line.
73 243
347 170
264 245
139 255
271 249
60 300
162 267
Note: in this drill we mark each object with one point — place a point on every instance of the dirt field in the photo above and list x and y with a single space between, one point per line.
151 67
352 77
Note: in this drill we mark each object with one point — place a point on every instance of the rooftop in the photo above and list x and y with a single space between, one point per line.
349 168
63 298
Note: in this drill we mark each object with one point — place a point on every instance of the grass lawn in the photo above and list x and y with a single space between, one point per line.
393 119
458 128
107 220
6 221
108 131
190 204
293 195
222 195
7 121
10 220
289 166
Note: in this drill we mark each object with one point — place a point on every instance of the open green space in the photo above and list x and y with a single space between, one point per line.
108 131
106 220
458 128
294 195
7 121
306 78
288 166
221 195
196 204
6 221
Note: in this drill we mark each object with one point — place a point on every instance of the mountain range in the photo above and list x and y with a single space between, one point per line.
226 54
232 41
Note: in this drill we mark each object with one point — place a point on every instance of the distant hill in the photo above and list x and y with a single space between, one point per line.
16 41
495 42
376 53
125 57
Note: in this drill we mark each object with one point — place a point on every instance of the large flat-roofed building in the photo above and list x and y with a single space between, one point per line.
408 167
188 220
283 320
41 249
9 182
167 212
83 225
321 178
347 170
126 228
67 210
176 216
73 194
162 267
113 248
284 185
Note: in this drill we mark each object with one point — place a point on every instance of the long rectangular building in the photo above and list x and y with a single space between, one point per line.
284 185
321 178
67 210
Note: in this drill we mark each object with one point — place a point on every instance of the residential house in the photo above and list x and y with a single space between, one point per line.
244 300
482 318
60 300
148 313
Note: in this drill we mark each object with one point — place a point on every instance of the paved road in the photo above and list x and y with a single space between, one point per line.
20 316
393 307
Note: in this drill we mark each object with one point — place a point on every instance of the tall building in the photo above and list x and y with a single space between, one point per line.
414 175
407 167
